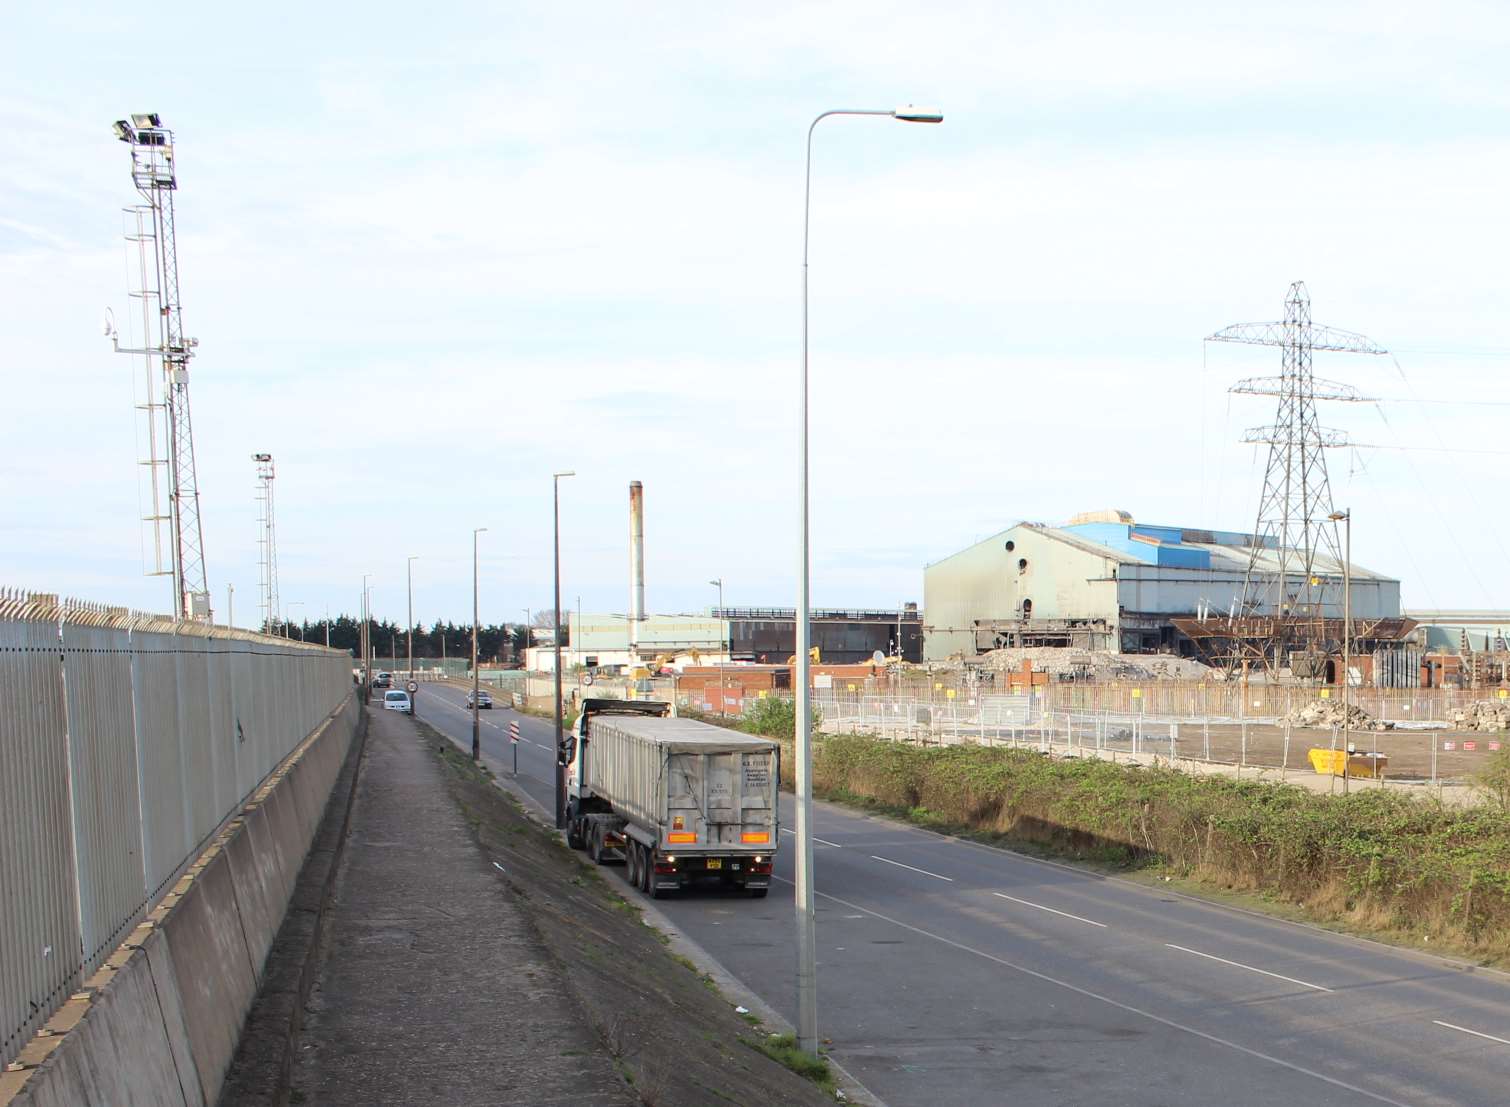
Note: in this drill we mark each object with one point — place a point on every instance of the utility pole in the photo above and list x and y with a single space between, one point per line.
410 568
476 678
719 584
230 604
556 619
1345 517
327 626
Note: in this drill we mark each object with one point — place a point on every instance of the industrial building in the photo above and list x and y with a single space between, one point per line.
1103 581
761 635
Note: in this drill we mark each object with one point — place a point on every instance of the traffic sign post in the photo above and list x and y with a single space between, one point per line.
413 687
514 743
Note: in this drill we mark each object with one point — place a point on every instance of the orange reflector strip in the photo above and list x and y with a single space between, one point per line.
755 836
679 838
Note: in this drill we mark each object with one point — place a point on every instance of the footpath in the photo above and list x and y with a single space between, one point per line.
432 986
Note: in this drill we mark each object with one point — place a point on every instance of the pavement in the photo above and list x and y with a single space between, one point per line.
955 973
434 988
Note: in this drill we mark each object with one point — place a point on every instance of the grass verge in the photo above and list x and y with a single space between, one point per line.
783 1049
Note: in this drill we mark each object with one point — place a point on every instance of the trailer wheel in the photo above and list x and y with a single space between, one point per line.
574 834
594 844
647 866
632 865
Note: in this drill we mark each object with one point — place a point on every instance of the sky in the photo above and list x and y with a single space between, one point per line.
434 254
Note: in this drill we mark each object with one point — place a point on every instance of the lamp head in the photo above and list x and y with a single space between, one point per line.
123 131
1339 516
910 114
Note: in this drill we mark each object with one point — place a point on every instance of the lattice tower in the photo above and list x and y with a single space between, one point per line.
172 519
267 547
1293 524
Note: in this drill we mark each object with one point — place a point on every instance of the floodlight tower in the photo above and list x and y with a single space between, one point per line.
1295 513
169 463
267 544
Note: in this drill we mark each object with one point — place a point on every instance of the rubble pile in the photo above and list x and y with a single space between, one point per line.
1095 664
1484 715
1326 714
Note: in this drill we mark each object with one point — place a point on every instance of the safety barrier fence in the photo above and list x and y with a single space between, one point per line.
126 741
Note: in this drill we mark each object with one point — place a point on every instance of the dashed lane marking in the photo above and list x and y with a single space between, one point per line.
899 865
1250 968
1475 1033
1053 910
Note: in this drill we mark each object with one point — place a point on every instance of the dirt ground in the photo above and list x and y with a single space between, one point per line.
676 1040
1409 751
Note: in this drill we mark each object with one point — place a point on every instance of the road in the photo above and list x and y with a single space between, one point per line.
954 973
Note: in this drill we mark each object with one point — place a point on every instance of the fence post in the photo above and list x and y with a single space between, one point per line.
1206 736
1174 741
1284 764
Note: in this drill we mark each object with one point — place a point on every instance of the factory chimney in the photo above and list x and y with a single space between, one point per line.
636 563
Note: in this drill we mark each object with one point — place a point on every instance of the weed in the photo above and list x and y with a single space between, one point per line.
783 1049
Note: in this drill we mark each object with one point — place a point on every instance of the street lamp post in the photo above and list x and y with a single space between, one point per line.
556 636
327 626
476 678
719 584
365 640
807 936
410 572
1346 519
230 604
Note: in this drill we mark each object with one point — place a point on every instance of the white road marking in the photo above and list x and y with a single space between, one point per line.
1041 907
499 867
820 841
899 865
1250 968
1475 1033
1119 1005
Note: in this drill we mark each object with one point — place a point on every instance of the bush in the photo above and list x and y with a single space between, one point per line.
1494 779
1381 859
773 717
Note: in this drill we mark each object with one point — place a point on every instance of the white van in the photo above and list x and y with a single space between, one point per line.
396 700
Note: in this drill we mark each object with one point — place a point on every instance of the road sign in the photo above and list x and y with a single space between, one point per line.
513 732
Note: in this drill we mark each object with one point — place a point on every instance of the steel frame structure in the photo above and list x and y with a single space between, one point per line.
1284 609
267 548
170 464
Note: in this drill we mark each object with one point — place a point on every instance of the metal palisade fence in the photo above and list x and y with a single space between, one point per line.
126 741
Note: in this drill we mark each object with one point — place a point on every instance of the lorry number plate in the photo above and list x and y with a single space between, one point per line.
715 862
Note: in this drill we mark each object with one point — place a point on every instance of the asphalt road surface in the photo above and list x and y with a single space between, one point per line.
954 973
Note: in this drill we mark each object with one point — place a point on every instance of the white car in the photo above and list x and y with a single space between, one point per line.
396 700
484 701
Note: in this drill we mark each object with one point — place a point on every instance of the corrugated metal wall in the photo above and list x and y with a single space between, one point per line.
125 742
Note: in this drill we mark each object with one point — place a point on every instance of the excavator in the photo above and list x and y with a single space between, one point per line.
815 653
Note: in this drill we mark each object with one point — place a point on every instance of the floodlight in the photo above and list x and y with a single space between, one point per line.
123 131
146 119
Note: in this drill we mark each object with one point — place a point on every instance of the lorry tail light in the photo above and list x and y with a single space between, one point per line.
762 867
665 868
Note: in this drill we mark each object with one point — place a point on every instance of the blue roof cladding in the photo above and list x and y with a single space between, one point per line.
1156 545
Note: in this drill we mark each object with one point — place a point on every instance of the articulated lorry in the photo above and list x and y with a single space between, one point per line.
678 801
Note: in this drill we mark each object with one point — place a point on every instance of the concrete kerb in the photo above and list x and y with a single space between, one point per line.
171 999
730 986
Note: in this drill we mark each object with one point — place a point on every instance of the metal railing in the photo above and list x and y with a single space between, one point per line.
126 741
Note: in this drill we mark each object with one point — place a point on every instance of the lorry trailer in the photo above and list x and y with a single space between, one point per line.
680 802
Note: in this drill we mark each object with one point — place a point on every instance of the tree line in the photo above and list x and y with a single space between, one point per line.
499 642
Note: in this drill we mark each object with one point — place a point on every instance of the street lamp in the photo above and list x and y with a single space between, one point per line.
556 619
410 570
719 584
807 931
476 678
365 639
1346 519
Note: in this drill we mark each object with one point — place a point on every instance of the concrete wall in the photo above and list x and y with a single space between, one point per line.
159 1023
